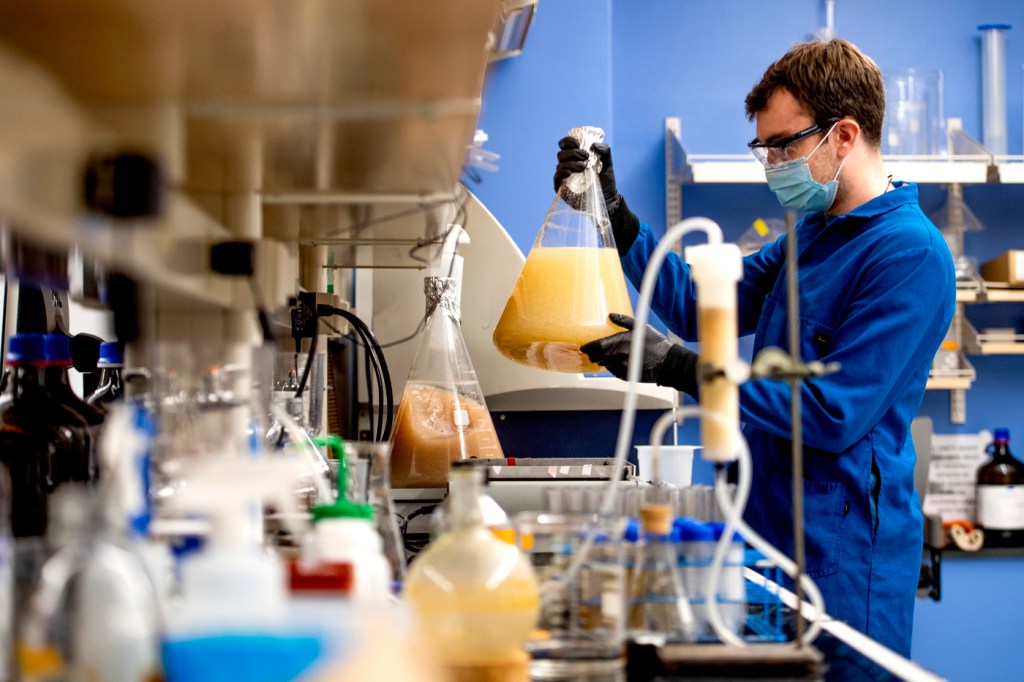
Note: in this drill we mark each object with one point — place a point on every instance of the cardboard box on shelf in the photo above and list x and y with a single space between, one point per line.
1006 267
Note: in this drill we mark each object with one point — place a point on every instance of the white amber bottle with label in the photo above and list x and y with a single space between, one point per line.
1000 497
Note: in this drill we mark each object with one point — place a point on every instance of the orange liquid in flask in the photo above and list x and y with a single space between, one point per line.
433 428
560 302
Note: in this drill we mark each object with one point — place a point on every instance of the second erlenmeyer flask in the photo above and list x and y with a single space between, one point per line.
571 281
442 417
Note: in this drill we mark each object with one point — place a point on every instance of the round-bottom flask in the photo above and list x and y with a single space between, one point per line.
474 597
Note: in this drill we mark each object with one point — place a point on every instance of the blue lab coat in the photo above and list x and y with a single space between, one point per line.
877 294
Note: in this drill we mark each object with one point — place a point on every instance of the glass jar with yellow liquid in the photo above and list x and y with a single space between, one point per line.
442 417
571 281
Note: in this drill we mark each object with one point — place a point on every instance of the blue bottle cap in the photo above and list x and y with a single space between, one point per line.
25 348
718 527
111 354
685 529
57 348
632 533
1002 436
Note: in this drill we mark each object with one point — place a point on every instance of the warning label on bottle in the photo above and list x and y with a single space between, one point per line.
1001 507
952 473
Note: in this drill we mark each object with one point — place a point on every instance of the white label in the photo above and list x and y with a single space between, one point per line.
951 474
611 605
461 417
1018 267
1001 507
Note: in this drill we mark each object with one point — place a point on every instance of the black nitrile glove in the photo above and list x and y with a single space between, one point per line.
572 159
664 363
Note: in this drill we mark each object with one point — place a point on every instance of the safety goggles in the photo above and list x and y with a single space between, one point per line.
778 151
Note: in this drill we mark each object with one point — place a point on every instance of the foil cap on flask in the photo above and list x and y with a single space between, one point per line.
442 291
587 136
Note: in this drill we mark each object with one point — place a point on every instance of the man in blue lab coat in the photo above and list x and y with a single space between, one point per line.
877 292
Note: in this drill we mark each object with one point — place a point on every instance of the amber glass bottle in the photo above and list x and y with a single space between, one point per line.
1000 498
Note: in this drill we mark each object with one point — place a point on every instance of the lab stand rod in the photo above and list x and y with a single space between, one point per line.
796 417
337 198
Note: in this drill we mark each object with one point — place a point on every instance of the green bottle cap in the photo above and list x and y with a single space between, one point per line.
342 508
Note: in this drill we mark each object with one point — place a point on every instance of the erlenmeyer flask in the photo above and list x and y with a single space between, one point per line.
571 281
442 417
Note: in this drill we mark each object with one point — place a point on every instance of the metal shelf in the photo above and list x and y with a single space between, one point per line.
277 122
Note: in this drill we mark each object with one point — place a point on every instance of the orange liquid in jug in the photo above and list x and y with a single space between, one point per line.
433 428
560 302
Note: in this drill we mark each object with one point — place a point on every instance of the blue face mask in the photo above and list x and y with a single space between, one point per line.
794 187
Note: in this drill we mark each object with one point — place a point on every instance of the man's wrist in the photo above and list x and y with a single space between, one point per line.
625 225
679 371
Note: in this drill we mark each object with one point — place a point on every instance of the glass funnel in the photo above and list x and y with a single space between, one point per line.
442 417
571 281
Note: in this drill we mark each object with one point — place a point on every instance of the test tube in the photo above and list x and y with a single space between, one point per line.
993 86
716 269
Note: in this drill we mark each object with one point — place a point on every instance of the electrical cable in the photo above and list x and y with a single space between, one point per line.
374 346
261 312
309 364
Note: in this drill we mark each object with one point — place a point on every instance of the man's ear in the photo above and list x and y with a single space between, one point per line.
847 132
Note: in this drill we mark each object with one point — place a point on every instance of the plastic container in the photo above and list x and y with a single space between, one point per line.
345 533
571 281
95 614
474 598
442 417
675 466
231 622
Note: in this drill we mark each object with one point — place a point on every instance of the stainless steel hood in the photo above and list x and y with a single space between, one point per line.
275 118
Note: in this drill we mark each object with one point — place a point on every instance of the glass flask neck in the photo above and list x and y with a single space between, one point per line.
465 485
441 296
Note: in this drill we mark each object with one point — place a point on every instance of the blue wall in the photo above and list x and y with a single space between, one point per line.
626 65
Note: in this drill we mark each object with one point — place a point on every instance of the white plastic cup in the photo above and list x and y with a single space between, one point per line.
676 464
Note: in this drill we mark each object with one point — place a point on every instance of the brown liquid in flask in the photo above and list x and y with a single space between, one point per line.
442 417
571 281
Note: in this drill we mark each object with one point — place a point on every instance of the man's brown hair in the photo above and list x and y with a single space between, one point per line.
829 79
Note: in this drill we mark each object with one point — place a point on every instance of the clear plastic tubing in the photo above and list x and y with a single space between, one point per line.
993 86
716 269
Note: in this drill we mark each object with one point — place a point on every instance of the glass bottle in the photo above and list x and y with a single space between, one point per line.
495 518
660 609
110 364
442 417
35 447
1000 495
474 598
571 281
57 351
